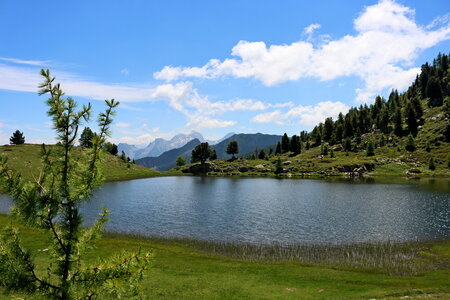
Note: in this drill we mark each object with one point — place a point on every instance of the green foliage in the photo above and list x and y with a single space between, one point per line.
295 145
213 155
86 138
332 153
427 146
433 91
123 156
432 164
278 166
410 143
232 148
17 138
181 161
285 143
262 154
110 148
278 148
370 149
201 153
448 160
324 150
51 202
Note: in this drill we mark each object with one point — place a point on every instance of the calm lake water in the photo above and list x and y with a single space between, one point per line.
266 210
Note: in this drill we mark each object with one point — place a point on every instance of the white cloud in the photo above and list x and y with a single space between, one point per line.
275 117
387 40
311 28
199 122
27 79
124 72
25 62
123 125
304 115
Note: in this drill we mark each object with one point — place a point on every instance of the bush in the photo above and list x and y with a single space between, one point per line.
410 143
432 164
370 149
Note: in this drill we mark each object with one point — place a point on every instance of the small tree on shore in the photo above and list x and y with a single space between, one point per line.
432 164
201 153
181 161
17 138
232 148
51 202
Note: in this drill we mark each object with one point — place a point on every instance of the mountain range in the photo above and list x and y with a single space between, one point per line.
160 145
247 143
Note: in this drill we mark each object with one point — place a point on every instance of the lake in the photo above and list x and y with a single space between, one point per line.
267 210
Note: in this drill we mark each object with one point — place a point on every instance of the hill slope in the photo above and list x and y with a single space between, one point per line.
26 160
166 161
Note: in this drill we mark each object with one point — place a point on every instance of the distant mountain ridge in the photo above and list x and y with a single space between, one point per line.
160 145
166 161
247 142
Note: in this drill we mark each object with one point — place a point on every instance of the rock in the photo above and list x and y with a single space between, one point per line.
199 168
259 167
337 148
243 169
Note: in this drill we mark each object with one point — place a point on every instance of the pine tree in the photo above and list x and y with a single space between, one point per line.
295 146
17 138
232 148
262 154
213 155
410 143
433 91
411 119
86 138
51 203
278 148
370 149
432 164
285 143
328 128
398 126
201 153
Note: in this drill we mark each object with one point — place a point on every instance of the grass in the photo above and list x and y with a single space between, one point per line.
26 160
186 269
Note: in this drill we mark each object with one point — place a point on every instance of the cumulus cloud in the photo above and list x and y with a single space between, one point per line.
199 110
304 115
387 40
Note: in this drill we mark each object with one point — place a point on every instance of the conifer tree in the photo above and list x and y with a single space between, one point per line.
201 153
278 148
86 138
17 138
398 127
51 203
285 143
262 154
411 119
213 155
232 148
410 143
370 149
432 164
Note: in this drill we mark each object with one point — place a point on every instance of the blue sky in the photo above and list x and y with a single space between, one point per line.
210 66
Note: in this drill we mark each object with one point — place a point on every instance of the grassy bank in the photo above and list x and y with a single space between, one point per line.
184 269
26 160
